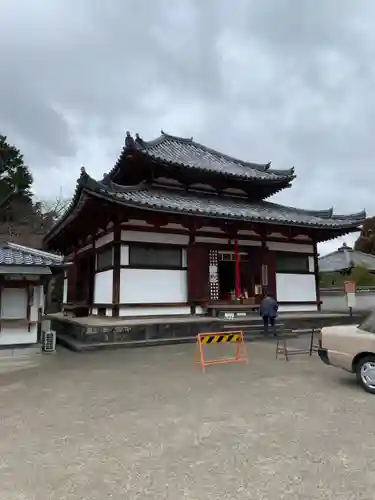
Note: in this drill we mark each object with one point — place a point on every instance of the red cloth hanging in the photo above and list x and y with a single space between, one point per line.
237 270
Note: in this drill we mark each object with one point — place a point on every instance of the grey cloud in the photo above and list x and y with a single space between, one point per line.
288 81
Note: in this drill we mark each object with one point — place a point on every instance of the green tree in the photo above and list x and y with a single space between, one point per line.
361 275
15 176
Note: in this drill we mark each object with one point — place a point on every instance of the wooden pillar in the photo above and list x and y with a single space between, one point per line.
268 258
72 280
1 297
30 299
317 282
116 271
197 274
92 273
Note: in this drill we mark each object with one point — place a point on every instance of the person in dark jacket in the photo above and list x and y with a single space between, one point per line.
268 311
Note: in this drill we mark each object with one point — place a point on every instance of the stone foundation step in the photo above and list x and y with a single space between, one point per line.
20 351
75 345
178 330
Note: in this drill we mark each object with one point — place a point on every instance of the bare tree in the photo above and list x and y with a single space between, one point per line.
53 208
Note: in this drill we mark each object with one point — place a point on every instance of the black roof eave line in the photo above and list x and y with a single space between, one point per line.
83 191
281 179
259 167
125 153
350 227
343 232
61 223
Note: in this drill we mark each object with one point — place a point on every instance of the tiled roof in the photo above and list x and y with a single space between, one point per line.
19 255
225 207
345 258
192 203
190 154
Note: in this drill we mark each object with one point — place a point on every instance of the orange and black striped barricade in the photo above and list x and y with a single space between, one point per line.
205 339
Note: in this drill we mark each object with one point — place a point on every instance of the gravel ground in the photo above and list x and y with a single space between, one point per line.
144 424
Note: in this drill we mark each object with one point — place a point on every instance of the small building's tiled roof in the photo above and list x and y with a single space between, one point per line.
19 255
345 258
190 154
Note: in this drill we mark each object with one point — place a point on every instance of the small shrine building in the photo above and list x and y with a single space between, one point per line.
176 227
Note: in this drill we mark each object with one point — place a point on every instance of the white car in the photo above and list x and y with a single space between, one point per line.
351 348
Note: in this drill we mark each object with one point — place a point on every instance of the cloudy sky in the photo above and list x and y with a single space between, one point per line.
290 81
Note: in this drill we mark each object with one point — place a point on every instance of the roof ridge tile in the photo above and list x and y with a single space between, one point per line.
155 148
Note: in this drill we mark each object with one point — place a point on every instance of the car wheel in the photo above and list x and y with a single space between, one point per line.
365 372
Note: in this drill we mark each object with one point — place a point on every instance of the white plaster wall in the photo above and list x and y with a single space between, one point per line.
298 308
311 264
42 297
200 310
280 246
142 286
209 229
209 239
249 243
17 335
65 291
14 303
34 309
124 255
103 286
148 237
295 288
13 334
159 311
103 240
224 240
184 257
154 311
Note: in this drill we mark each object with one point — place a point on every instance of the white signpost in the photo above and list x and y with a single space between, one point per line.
350 288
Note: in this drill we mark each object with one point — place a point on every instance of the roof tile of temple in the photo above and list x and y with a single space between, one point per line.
190 154
205 205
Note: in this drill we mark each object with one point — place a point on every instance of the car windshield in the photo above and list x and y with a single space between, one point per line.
368 324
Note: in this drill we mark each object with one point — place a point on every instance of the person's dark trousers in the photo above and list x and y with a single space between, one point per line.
268 320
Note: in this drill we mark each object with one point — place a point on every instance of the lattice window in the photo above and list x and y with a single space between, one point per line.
213 275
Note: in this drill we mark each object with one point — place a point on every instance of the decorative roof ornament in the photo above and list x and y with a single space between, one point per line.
176 137
83 173
107 181
129 141
106 178
344 247
139 141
